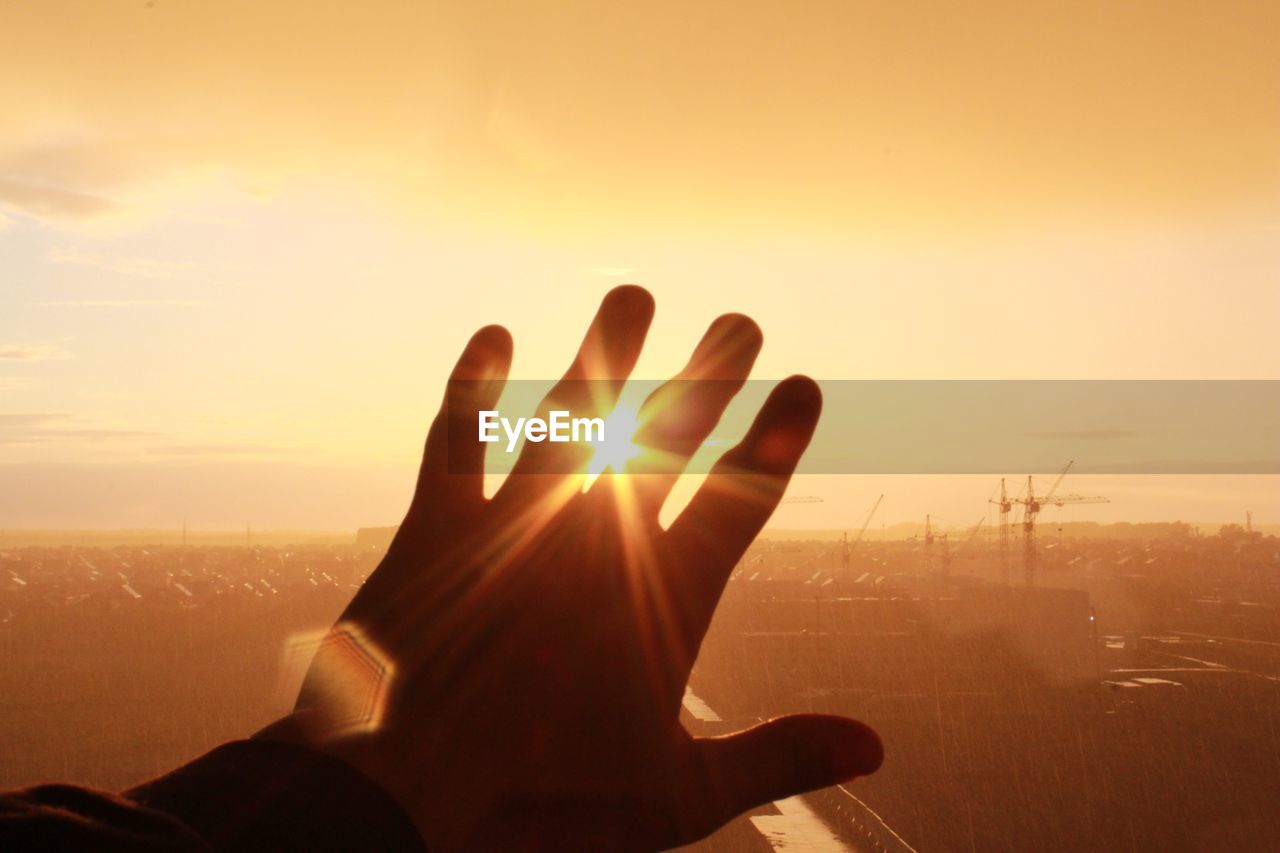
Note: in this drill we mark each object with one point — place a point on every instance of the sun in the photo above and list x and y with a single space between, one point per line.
618 446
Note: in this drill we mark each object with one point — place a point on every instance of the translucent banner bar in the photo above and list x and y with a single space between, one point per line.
888 426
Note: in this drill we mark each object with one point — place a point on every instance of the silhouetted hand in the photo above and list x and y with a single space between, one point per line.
513 671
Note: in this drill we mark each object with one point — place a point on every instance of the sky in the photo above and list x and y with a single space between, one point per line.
241 243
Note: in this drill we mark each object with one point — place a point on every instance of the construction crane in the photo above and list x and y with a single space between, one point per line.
948 555
928 544
847 548
1004 505
1031 506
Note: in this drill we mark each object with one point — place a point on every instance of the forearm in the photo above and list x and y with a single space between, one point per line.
247 795
264 794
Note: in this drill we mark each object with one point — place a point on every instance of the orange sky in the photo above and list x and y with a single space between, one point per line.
253 235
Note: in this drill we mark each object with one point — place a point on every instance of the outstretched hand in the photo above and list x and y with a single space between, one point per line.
513 671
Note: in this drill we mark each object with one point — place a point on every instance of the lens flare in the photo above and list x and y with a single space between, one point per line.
618 447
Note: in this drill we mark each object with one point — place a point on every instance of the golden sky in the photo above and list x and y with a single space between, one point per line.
255 234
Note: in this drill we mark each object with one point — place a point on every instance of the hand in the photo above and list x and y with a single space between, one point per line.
513 671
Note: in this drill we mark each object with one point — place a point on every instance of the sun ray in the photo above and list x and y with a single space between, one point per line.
618 446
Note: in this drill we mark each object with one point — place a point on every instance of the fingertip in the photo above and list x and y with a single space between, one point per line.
801 392
738 327
495 339
617 334
630 299
792 755
855 749
486 356
785 425
830 749
727 350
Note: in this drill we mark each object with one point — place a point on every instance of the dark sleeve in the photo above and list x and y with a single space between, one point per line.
247 795
64 817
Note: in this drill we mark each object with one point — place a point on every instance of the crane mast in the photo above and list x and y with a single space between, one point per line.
1004 505
848 547
928 544
1031 506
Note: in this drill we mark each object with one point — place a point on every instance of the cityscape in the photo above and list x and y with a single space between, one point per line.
1118 691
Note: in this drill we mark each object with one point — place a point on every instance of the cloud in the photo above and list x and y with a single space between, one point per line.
121 303
750 116
8 421
6 222
145 267
1085 435
14 383
52 202
228 449
65 176
32 352
45 427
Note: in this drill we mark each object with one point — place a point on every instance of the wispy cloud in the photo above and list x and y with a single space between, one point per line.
51 201
228 449
144 267
14 383
44 427
32 352
26 419
120 303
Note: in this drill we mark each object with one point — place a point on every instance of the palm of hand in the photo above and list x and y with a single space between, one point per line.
540 641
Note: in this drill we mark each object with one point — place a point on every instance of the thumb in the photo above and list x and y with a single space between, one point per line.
784 757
